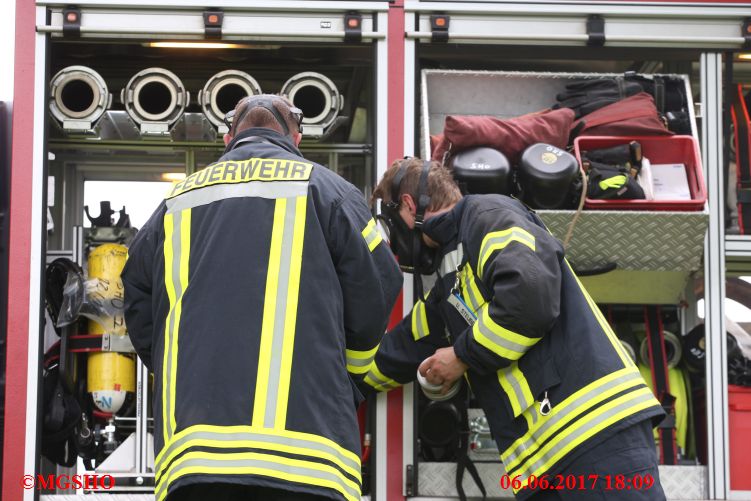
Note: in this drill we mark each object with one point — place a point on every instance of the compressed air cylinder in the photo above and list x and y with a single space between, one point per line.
111 375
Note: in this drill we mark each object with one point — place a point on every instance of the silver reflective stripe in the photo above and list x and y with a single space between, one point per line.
578 432
533 414
360 362
214 193
474 301
275 469
578 405
178 286
280 312
501 241
500 340
516 386
233 439
371 235
452 260
378 381
418 315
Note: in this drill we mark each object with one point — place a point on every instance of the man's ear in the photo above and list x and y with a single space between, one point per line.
296 138
227 139
408 202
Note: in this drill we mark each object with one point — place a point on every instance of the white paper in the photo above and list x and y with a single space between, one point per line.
645 179
670 182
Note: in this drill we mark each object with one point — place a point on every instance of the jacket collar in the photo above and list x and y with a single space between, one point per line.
444 228
265 135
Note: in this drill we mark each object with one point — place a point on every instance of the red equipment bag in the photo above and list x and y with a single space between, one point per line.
509 136
634 116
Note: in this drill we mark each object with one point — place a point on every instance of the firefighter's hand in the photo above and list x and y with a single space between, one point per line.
443 368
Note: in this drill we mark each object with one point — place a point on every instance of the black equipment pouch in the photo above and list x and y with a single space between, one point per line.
612 182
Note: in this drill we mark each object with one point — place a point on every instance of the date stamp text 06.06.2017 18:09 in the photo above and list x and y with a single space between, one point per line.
579 482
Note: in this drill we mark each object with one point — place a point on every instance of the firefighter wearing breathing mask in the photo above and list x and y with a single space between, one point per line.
508 313
255 293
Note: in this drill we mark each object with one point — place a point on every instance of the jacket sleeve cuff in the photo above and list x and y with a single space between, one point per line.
464 351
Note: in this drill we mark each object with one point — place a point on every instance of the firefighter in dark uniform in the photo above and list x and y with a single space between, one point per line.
256 293
561 395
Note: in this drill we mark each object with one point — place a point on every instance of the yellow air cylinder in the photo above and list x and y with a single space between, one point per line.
111 375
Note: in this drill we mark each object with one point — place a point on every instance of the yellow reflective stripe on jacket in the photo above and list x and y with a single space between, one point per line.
419 321
176 267
516 387
604 325
243 171
498 339
371 235
612 182
358 362
588 426
498 240
583 400
469 289
377 380
229 437
266 465
279 313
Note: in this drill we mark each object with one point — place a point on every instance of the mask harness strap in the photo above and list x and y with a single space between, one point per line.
257 102
423 201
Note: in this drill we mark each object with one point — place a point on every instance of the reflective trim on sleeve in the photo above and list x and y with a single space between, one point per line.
498 339
176 273
498 240
516 387
259 189
377 380
358 362
419 321
279 313
371 235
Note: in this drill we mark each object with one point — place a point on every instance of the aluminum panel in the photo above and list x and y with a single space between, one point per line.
653 241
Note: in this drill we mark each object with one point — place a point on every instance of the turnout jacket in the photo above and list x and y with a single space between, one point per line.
537 335
255 293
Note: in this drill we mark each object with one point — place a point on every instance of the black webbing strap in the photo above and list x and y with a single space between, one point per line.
740 117
660 378
463 462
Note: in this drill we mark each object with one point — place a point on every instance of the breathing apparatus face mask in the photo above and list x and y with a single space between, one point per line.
407 244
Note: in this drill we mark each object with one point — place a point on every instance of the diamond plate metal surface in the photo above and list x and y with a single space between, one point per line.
654 241
438 480
684 482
